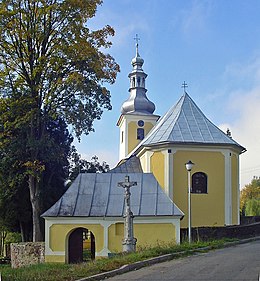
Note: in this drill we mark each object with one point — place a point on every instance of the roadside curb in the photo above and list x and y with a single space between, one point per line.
159 259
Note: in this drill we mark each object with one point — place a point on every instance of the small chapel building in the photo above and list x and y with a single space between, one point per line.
89 216
153 152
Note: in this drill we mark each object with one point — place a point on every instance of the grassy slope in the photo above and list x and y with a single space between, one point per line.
66 272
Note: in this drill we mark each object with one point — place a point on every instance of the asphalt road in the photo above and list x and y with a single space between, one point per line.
241 262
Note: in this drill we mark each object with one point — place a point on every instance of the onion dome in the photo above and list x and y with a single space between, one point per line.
137 103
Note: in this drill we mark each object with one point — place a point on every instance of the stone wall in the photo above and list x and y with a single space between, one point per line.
23 254
249 219
234 231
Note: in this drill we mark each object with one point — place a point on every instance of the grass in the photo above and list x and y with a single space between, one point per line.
71 272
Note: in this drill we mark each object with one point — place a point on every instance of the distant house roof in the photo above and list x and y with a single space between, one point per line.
98 195
185 123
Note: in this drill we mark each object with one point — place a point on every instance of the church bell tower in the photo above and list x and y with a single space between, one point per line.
137 117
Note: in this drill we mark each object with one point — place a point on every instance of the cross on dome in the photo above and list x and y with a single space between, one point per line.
136 38
184 86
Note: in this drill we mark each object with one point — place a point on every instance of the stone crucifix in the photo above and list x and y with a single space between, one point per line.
129 241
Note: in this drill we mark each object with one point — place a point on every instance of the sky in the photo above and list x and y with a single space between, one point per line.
214 46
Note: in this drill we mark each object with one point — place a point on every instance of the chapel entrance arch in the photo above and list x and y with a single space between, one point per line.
81 245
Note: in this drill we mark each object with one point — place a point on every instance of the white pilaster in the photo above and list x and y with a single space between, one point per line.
238 190
105 250
177 231
228 188
168 172
123 145
149 154
48 225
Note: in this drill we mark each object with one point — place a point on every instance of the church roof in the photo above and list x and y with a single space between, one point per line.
98 195
185 123
130 165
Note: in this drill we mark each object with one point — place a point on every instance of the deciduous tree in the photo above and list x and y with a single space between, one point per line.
51 66
250 198
79 165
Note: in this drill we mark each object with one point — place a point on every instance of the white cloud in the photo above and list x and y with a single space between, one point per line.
244 104
247 131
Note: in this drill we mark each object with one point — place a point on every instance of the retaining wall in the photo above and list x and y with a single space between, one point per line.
234 231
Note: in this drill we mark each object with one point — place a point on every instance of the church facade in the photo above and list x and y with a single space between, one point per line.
165 144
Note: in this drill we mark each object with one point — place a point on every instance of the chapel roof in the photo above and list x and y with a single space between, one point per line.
185 123
98 195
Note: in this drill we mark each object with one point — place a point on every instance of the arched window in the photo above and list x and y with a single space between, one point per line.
138 81
143 82
140 133
199 183
133 82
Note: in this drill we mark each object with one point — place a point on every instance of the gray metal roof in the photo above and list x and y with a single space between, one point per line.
130 165
98 195
185 123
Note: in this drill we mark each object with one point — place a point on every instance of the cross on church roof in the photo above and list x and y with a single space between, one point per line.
184 86
136 38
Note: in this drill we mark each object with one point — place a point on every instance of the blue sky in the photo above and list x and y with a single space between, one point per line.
212 45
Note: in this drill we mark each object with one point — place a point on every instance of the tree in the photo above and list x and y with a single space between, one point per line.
250 198
252 207
79 165
15 209
51 66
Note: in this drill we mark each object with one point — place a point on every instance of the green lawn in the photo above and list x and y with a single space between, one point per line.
66 272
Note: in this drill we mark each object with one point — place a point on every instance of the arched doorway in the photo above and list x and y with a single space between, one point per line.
81 245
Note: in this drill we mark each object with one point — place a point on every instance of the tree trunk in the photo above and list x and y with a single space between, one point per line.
1 244
35 201
22 231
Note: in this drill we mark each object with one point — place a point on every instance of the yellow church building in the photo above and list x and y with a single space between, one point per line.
153 152
164 146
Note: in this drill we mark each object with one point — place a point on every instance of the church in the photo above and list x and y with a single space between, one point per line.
153 152
165 144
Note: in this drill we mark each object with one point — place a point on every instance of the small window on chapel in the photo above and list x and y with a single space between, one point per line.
199 183
140 133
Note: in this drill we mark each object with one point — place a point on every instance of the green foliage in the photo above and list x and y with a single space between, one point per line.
79 165
250 198
252 207
15 208
13 237
50 60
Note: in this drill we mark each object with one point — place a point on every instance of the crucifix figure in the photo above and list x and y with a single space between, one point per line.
129 241
184 86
